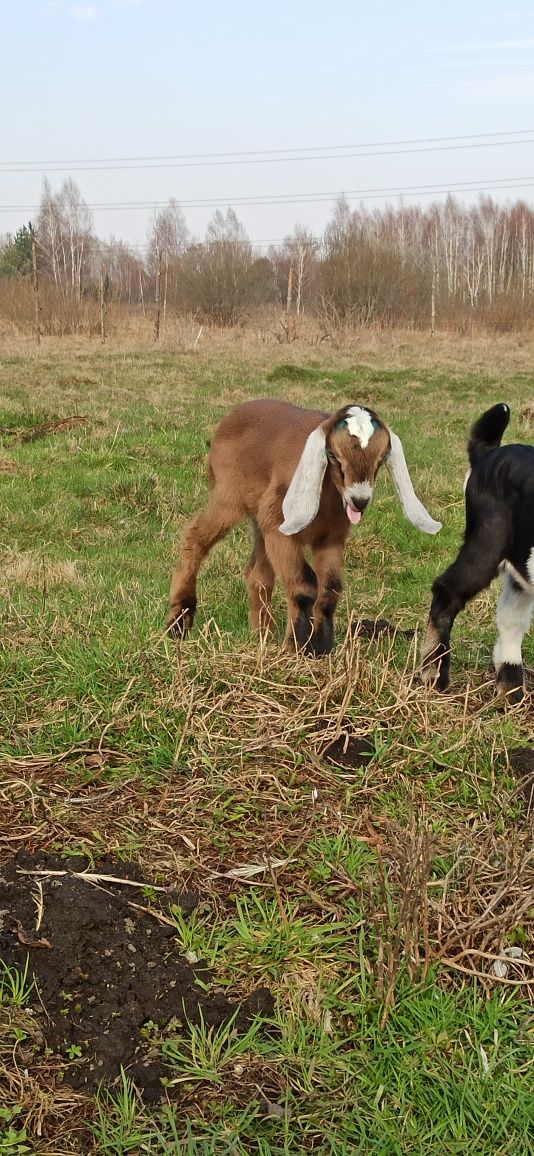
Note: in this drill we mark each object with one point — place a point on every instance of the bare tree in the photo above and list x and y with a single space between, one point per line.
167 242
218 273
65 235
157 314
295 263
49 227
78 227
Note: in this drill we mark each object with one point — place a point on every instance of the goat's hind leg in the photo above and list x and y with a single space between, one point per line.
475 568
260 579
514 614
199 538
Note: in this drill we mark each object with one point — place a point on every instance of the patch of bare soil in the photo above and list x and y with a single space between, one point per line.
104 969
373 627
522 763
22 435
349 750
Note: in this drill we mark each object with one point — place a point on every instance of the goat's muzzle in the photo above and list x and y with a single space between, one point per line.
355 508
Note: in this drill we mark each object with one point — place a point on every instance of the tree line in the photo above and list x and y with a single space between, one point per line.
444 264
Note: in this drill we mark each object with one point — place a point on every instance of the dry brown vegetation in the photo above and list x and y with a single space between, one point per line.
257 343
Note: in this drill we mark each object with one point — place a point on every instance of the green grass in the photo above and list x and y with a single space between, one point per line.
360 897
444 1074
15 985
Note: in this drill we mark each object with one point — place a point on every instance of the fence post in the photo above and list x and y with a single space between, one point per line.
102 303
35 286
433 303
158 301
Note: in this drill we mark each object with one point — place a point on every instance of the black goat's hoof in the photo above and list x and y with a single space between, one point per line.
434 676
512 694
510 684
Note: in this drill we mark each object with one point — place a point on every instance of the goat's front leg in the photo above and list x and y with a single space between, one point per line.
286 557
328 561
259 577
476 566
514 615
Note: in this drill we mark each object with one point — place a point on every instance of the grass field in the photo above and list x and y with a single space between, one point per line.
371 900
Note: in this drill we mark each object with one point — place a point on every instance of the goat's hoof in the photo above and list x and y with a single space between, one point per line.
313 651
513 695
180 620
264 628
428 676
321 642
176 628
510 683
433 676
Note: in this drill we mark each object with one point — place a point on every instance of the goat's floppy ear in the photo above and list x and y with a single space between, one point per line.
303 496
413 508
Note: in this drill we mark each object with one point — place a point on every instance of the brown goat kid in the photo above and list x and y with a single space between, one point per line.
303 477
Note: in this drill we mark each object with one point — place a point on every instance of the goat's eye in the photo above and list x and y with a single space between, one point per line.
332 458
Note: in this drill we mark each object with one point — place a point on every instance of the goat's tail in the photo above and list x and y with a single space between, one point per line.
487 432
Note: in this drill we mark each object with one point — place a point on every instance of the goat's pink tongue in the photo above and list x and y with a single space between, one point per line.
353 515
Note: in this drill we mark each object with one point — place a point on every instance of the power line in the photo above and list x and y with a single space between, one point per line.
244 153
496 184
85 167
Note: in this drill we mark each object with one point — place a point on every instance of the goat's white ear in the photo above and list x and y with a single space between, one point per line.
413 508
303 496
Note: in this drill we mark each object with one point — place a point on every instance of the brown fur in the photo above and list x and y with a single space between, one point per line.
253 456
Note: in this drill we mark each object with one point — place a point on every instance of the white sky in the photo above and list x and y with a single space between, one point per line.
86 82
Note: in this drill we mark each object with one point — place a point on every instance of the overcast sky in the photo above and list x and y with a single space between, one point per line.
109 79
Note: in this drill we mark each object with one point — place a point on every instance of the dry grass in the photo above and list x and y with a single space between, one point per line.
41 573
256 343
259 734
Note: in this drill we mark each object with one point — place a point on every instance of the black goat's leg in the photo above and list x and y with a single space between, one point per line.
475 568
514 615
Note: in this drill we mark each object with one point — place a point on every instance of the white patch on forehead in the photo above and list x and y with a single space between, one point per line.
360 424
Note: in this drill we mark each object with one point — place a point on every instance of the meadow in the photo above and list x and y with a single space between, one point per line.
355 851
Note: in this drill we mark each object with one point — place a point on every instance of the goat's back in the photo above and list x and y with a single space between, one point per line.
500 491
259 443
508 471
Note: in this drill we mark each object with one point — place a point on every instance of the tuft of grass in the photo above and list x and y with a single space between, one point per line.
15 984
118 1128
207 1054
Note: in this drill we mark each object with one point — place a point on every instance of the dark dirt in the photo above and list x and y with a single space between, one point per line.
349 751
372 628
109 970
522 764
20 436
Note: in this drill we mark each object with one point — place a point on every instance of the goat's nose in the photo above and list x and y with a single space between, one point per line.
360 504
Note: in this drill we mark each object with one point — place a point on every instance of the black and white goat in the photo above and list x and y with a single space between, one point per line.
302 477
499 535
